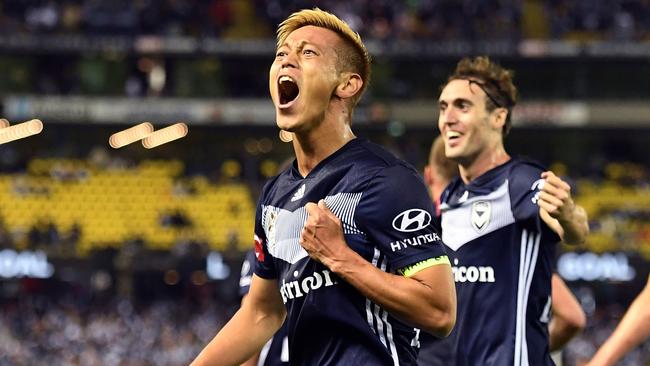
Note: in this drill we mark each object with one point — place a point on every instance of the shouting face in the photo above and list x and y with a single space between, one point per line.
303 78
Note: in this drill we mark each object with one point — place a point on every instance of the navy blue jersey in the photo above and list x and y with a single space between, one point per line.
501 253
276 351
386 215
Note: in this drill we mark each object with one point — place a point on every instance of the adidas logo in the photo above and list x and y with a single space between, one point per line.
300 193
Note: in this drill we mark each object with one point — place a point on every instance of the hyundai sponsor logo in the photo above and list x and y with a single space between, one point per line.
416 240
411 220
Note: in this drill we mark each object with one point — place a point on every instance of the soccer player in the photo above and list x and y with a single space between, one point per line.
344 239
568 318
276 351
632 330
501 221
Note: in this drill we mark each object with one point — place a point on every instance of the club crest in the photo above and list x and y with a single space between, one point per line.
481 213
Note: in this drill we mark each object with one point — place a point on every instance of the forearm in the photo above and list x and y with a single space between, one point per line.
228 347
408 299
252 361
560 333
632 330
568 317
575 227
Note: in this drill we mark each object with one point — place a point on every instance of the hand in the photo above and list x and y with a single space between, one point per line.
322 237
555 197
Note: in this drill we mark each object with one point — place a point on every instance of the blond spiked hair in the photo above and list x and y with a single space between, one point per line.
352 55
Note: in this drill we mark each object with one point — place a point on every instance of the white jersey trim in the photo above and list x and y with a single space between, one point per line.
527 262
283 227
376 315
456 222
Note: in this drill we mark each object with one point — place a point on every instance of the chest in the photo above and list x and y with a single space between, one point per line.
476 217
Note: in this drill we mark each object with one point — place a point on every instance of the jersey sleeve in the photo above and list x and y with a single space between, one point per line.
397 215
525 184
264 265
246 276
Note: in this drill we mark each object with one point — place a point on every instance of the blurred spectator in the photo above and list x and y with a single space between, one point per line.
175 219
380 19
5 237
165 333
43 234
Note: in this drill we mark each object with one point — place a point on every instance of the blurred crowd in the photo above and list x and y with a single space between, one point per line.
61 333
380 19
600 326
39 331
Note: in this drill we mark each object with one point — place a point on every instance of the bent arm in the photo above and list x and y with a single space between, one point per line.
568 317
572 229
560 213
260 316
256 356
632 330
425 300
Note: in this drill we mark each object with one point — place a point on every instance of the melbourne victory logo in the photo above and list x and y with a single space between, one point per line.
481 211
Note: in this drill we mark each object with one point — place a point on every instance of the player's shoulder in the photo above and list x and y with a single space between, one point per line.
525 166
284 177
375 158
525 174
525 170
455 185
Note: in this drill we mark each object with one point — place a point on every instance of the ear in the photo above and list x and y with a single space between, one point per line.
428 175
499 116
349 86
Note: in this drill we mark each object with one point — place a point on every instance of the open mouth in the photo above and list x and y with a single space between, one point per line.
453 135
288 90
453 138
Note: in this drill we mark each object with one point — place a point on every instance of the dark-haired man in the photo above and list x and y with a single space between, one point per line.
501 221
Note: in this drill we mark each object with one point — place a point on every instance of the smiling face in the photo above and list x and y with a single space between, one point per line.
303 77
467 127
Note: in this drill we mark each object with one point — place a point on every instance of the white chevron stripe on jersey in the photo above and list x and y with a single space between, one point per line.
283 227
343 206
376 315
369 318
527 263
457 224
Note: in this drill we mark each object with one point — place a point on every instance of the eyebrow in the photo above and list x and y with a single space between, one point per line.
456 101
300 45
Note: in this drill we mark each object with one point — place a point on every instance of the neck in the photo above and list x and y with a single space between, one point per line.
313 146
482 163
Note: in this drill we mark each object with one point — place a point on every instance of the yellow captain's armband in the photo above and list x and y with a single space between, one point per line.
417 267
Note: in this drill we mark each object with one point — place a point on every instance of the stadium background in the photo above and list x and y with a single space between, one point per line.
132 256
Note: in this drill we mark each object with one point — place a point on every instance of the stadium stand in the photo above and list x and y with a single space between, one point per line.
145 245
